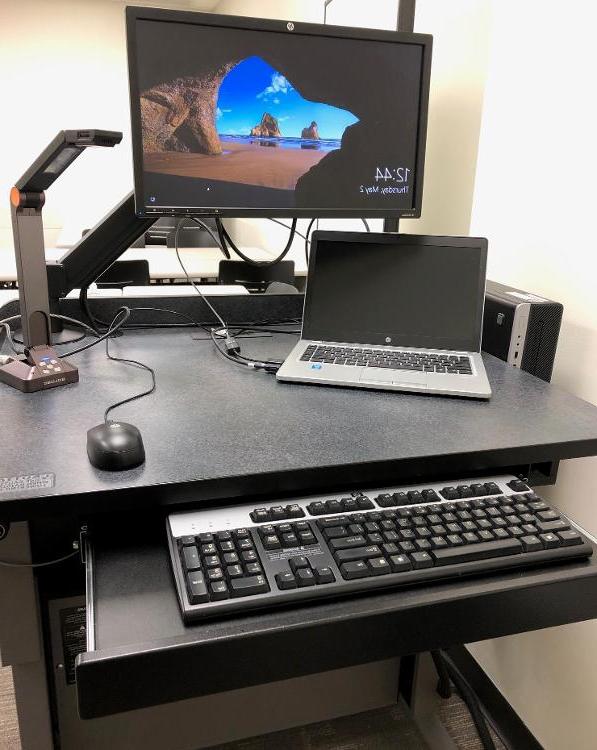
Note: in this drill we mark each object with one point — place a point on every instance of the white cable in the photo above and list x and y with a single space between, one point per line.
190 280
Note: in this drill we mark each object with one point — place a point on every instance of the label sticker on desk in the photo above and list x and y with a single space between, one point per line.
26 482
73 629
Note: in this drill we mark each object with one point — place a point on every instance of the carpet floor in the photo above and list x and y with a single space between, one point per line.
384 729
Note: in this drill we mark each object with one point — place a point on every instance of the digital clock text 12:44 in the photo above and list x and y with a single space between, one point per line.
398 174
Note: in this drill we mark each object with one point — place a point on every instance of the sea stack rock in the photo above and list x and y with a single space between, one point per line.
311 132
267 128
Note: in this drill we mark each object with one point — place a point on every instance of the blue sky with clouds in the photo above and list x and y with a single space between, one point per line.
254 87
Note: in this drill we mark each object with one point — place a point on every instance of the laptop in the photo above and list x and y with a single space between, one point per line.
394 312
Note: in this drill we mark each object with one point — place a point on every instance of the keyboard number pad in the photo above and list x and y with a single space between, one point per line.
223 565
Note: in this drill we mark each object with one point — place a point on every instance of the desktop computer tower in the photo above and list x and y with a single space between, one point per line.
521 328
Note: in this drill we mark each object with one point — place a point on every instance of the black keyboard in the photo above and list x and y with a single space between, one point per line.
226 562
393 359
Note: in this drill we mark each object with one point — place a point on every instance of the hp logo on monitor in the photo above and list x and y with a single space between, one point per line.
290 26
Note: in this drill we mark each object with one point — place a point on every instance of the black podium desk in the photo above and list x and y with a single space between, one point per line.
215 432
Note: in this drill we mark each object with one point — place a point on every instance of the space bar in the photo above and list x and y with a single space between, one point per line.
396 366
482 551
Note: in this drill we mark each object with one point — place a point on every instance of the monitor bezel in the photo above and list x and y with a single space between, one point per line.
389 238
135 13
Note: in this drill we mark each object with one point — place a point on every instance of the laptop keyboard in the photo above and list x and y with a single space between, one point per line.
393 360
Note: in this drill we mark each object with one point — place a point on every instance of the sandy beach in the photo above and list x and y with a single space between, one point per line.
250 164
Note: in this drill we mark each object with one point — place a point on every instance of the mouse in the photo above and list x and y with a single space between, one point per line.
115 446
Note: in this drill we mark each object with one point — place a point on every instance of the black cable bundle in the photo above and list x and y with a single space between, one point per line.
226 240
447 671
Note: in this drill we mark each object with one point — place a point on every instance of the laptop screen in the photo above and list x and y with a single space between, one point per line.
396 290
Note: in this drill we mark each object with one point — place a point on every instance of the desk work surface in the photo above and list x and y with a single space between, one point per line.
213 429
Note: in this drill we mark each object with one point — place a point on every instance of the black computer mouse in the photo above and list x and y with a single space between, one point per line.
115 446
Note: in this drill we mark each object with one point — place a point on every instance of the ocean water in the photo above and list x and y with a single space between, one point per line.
324 144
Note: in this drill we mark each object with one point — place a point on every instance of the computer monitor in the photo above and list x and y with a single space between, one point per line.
246 117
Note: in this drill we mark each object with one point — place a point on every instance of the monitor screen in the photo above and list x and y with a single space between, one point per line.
241 116
405 290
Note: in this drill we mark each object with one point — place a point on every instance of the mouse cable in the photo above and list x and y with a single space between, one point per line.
4 324
7 564
232 347
73 321
114 326
110 332
133 363
143 326
12 341
226 240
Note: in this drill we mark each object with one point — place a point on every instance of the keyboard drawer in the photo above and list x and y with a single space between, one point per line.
141 654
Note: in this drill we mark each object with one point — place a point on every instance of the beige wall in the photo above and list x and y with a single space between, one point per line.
295 10
63 66
460 31
535 200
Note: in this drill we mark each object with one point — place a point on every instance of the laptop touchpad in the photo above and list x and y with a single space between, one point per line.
396 377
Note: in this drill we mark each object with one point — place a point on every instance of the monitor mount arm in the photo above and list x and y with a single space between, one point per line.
95 252
41 367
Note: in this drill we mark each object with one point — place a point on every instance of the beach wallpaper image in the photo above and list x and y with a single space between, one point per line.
244 124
